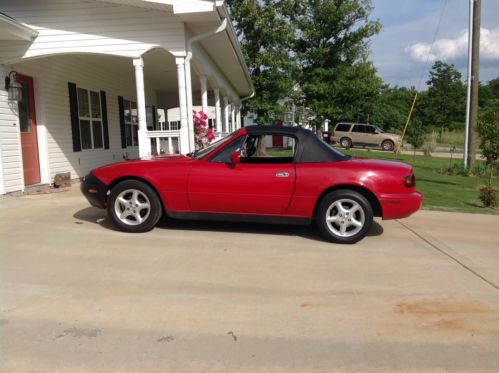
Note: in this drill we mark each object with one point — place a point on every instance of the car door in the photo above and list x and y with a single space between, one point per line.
261 184
359 135
372 138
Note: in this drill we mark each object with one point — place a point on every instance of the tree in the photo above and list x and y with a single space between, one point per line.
267 34
392 107
444 104
488 129
415 136
337 80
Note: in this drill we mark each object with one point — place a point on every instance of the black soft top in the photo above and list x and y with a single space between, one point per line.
309 147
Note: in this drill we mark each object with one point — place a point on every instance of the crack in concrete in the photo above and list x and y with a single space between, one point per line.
442 251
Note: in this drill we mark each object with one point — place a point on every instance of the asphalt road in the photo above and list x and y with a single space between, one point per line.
420 294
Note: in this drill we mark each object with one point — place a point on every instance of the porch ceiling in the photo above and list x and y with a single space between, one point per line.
160 70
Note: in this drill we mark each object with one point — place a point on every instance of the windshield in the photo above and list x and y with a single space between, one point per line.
379 129
198 154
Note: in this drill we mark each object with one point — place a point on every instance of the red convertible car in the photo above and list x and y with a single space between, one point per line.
257 174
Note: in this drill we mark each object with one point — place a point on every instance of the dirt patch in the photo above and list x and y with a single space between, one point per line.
473 318
439 307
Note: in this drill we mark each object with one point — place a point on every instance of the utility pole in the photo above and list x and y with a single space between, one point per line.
473 103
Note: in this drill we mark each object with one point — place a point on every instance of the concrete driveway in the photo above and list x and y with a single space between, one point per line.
420 294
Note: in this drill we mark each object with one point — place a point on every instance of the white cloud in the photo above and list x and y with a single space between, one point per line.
446 49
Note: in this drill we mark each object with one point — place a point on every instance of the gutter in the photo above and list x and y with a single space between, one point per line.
194 39
224 14
22 31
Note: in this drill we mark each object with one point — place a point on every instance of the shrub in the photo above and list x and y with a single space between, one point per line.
431 144
488 196
488 129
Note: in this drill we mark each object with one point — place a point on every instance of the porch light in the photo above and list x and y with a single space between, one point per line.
14 89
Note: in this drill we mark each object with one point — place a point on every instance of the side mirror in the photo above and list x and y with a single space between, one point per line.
235 158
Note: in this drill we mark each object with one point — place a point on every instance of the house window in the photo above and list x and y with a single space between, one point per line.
131 123
173 125
90 119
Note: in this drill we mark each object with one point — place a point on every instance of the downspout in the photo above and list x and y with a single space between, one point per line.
188 83
245 99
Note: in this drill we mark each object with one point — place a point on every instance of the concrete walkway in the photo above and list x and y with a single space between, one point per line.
419 294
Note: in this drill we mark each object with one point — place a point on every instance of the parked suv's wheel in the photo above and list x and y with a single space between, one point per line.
346 142
134 206
344 216
388 145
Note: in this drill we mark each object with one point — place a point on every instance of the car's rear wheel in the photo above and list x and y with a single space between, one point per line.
346 143
344 216
388 145
134 206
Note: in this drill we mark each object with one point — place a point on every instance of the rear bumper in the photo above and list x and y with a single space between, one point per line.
94 191
397 206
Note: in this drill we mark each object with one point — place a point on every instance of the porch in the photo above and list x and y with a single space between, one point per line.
102 96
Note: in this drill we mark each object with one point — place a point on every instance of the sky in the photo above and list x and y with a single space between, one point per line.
401 51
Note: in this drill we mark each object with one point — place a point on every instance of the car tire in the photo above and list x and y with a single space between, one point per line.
344 216
388 145
134 206
345 142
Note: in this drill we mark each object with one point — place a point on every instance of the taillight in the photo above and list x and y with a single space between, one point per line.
410 181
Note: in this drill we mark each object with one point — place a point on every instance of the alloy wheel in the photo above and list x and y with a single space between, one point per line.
132 207
345 217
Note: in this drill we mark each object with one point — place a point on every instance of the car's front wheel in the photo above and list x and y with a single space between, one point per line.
344 216
134 206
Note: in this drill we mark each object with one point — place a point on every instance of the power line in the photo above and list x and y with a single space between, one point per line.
437 30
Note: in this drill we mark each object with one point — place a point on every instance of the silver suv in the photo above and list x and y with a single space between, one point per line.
361 134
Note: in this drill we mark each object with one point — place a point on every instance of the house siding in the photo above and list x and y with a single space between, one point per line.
74 26
11 170
51 76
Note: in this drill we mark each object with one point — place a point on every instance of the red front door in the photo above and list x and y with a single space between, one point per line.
27 124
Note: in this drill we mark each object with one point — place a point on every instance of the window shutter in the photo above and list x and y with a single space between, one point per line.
75 125
154 120
121 108
105 126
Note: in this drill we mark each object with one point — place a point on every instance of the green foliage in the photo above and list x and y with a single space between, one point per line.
266 32
415 135
479 169
392 107
443 105
336 80
488 196
488 129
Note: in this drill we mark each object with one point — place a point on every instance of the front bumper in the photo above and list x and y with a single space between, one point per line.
398 206
94 190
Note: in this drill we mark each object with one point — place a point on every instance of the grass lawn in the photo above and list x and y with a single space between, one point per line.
440 192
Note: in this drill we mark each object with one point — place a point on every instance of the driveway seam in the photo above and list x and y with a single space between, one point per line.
442 251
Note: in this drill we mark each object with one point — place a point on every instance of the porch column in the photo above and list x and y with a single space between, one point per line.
204 93
218 112
233 116
144 143
190 119
238 117
170 145
226 114
182 100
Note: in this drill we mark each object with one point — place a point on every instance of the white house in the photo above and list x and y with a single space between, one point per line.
95 75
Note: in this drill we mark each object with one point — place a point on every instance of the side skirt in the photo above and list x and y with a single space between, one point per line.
242 218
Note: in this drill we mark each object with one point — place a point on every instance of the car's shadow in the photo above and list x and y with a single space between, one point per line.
97 216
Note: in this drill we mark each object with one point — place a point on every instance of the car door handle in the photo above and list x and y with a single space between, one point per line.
282 174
